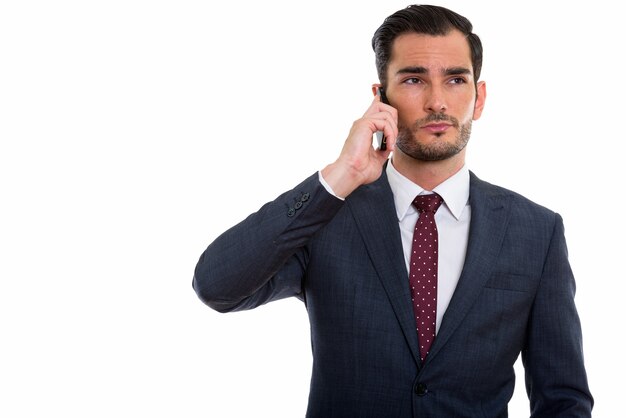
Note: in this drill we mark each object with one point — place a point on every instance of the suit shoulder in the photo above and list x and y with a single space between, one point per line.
521 204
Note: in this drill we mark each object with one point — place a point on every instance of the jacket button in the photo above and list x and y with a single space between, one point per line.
305 197
298 205
291 212
420 389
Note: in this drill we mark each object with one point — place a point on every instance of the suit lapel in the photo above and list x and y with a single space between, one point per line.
374 211
489 218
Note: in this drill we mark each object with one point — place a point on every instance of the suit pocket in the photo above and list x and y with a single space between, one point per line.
512 282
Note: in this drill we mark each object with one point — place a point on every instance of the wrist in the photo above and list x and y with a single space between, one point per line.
341 178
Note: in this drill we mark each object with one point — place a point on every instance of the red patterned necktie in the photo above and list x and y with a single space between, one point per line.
423 270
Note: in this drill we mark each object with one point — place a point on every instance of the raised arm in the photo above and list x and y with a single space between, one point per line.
264 257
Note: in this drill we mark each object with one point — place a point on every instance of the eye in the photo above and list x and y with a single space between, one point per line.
458 80
412 80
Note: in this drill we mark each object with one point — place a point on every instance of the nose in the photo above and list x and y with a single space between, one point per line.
435 100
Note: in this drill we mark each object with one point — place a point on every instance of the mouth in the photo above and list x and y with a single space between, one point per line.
436 127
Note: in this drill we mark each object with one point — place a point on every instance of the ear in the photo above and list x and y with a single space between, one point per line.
481 95
375 88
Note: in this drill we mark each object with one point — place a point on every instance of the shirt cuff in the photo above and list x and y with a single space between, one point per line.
327 186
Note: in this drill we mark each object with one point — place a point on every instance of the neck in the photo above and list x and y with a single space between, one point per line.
427 174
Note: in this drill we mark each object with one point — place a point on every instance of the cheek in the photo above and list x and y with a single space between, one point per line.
468 111
410 109
407 115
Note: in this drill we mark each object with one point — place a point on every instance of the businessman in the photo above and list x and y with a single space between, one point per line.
423 283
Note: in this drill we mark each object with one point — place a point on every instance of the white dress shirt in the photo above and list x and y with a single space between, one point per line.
452 219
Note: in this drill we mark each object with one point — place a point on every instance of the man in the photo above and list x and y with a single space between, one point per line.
422 283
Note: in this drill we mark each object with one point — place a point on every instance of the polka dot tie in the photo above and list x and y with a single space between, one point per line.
423 270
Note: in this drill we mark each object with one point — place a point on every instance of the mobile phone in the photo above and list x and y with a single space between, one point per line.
380 136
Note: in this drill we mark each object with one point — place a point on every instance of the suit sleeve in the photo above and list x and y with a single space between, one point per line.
556 379
264 257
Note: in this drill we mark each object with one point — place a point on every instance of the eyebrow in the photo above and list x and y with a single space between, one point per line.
423 70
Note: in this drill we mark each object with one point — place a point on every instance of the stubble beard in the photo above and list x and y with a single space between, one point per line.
437 150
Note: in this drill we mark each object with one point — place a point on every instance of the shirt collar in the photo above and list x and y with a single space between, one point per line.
454 191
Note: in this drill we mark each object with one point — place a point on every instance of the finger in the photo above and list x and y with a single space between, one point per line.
375 107
390 123
378 106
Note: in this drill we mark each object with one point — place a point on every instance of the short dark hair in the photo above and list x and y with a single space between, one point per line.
428 20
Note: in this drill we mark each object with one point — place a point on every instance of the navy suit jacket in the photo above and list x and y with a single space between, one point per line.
345 261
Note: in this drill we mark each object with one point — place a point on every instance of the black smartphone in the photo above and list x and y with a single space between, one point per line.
382 141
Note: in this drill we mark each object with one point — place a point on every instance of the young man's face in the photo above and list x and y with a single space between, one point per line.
430 82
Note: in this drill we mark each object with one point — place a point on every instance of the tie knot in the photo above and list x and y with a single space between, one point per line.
428 202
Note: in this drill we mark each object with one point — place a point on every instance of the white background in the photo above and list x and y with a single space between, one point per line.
134 132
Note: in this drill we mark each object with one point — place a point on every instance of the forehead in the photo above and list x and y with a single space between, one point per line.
413 49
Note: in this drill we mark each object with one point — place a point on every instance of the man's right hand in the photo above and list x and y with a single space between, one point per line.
359 163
